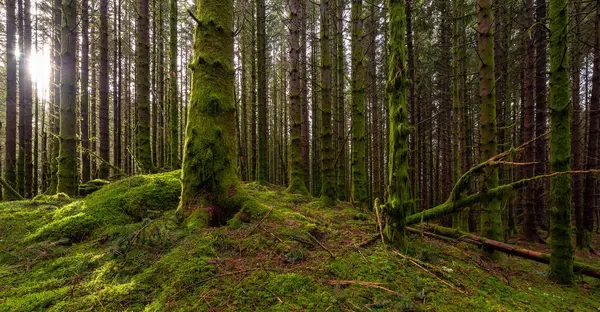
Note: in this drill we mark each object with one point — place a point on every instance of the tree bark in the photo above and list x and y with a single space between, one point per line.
85 65
561 260
142 74
11 101
359 176
68 175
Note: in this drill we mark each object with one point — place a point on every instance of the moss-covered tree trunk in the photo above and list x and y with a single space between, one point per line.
24 162
585 238
55 106
304 93
296 177
541 116
341 111
460 220
211 189
359 176
262 170
491 223
68 175
142 82
103 90
85 96
10 148
561 259
399 194
328 194
173 104
529 223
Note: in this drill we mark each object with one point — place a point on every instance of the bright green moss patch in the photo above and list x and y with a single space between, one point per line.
132 254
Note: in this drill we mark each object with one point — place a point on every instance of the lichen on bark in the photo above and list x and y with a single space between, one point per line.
211 190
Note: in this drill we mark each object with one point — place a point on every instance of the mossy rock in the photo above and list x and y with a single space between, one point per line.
123 202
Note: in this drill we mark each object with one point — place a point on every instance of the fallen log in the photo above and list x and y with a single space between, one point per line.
578 267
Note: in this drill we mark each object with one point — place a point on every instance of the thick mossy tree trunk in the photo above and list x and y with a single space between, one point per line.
359 175
491 223
328 194
142 81
173 104
211 189
561 260
11 100
399 194
297 172
585 236
68 175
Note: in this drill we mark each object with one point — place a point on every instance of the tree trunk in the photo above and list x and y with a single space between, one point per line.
399 194
11 100
529 210
359 176
341 115
561 260
211 189
103 90
541 117
328 196
85 65
142 74
593 136
262 92
173 104
68 175
296 184
304 93
491 223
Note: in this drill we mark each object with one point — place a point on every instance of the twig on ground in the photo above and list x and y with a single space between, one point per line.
322 246
429 272
260 222
367 284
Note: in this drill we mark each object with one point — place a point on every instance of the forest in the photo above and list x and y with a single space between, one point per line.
300 155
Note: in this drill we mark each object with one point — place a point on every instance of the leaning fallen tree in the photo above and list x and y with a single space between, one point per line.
436 230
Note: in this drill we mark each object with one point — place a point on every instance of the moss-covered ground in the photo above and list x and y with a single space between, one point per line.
122 249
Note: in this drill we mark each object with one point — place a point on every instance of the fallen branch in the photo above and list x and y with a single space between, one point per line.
260 222
367 284
322 246
578 267
10 189
104 161
429 272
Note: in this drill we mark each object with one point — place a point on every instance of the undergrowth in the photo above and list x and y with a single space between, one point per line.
121 248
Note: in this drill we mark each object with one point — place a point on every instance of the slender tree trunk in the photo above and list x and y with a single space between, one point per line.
328 196
529 224
68 175
254 166
103 90
593 136
85 65
297 184
374 99
491 223
561 259
359 177
116 90
341 115
262 93
541 92
577 129
174 106
142 74
25 107
55 122
304 94
11 100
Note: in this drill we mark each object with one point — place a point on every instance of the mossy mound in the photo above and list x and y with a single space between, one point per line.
288 254
92 186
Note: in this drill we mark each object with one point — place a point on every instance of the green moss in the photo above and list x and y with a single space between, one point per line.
119 203
92 186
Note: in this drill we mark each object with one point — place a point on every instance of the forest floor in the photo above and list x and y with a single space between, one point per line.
122 249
